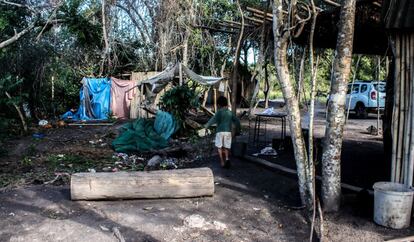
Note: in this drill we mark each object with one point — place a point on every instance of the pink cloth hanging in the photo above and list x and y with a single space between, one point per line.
122 92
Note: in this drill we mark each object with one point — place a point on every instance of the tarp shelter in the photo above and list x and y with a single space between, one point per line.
95 96
160 81
102 97
152 88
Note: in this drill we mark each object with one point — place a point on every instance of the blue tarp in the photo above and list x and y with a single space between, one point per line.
95 99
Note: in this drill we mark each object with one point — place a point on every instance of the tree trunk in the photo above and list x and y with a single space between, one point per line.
154 184
105 52
236 62
282 72
331 165
259 66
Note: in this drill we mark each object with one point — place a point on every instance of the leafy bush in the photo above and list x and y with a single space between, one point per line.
178 101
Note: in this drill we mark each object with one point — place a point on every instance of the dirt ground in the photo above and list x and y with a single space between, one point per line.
251 203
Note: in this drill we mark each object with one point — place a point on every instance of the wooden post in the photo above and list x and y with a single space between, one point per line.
215 99
352 87
410 169
228 93
396 112
378 94
206 96
154 184
181 74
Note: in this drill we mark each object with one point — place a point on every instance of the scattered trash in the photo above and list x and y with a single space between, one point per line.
266 196
195 221
372 130
12 214
169 163
92 170
38 135
118 234
268 111
154 161
106 169
148 208
103 228
43 122
256 209
219 225
61 123
161 209
99 142
269 151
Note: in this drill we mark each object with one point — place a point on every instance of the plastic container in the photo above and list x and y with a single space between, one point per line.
392 204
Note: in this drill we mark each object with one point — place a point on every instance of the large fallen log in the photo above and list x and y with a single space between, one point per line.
154 184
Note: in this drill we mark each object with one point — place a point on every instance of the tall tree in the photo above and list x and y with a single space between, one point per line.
282 28
331 158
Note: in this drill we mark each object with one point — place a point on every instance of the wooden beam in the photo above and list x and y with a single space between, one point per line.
261 17
259 21
259 12
214 29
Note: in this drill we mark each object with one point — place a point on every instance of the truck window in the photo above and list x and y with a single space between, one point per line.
355 89
381 87
364 88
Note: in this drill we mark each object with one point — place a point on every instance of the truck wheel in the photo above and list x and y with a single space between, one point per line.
361 111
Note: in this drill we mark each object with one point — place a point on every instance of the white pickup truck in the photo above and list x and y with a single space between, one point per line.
364 96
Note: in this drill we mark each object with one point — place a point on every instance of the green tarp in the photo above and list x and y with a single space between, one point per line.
145 134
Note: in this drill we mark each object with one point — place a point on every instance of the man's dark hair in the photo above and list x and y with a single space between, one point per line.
222 101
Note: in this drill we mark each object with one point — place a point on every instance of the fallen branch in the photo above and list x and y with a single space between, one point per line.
16 37
19 112
332 3
19 5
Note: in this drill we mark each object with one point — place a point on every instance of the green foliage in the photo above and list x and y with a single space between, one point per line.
178 101
70 163
8 114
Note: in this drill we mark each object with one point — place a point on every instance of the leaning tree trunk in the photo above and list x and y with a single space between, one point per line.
236 63
282 72
331 165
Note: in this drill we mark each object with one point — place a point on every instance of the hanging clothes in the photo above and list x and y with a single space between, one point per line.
122 93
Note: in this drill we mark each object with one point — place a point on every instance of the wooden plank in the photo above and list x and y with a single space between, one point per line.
153 184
